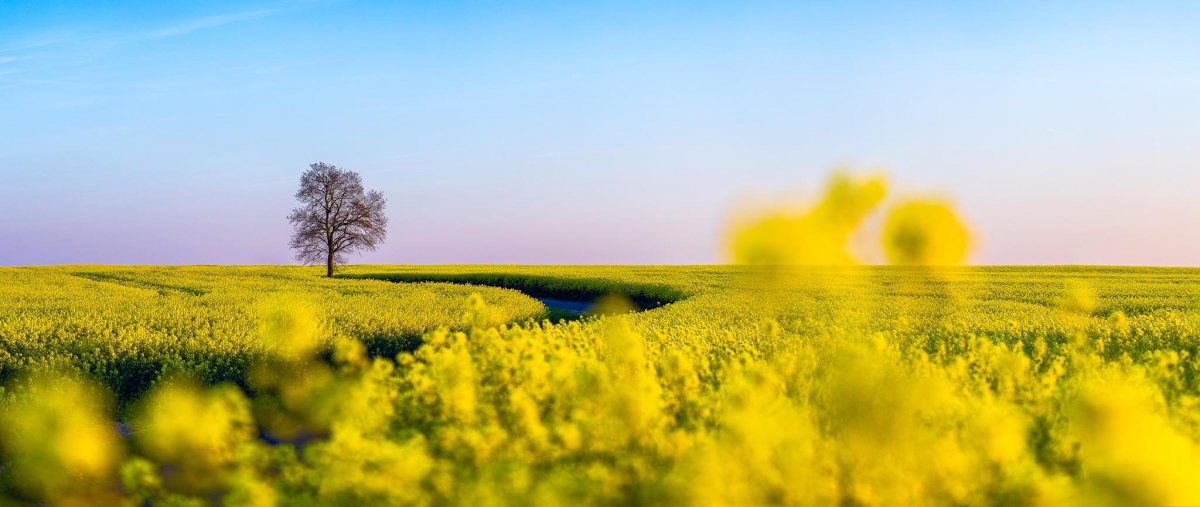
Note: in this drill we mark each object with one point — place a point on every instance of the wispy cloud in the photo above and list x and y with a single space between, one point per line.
28 46
209 22
48 56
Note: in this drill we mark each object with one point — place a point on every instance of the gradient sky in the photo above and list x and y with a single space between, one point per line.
607 132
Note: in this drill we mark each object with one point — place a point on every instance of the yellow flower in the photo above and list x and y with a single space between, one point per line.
1080 298
924 233
289 328
58 441
817 237
198 429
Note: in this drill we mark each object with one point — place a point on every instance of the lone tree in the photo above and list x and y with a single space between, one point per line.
336 217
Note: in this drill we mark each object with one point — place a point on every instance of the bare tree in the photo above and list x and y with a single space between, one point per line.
336 217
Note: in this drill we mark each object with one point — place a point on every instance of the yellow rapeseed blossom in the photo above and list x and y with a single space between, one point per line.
1080 298
59 445
289 327
815 237
1129 455
198 430
924 233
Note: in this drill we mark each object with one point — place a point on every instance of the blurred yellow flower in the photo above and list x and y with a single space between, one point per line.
1080 298
817 237
289 327
924 233
58 440
197 429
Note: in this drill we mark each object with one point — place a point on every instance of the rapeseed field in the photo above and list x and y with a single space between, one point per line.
742 385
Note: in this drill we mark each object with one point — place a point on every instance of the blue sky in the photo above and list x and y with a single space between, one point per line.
571 132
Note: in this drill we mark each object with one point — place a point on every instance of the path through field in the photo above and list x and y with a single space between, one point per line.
572 307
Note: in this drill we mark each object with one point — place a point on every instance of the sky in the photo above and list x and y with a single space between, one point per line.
592 132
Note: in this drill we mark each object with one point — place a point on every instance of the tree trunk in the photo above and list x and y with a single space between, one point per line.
329 265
